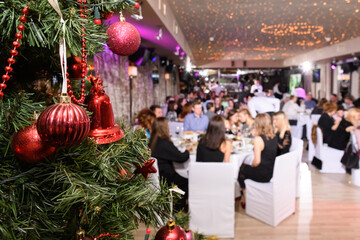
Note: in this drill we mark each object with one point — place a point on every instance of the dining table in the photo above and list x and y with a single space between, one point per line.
242 152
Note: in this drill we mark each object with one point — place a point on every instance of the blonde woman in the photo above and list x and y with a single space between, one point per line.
247 121
282 131
341 135
265 149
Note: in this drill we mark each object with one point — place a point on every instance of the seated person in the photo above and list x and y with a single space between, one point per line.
213 147
341 135
232 125
292 109
282 131
157 110
163 149
339 114
327 123
196 121
265 150
185 111
171 114
247 122
319 109
210 107
145 117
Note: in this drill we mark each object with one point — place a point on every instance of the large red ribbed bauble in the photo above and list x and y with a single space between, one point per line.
28 146
123 38
170 232
63 124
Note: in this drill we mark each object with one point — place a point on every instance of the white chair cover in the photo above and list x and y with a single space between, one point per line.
174 125
211 199
330 157
355 173
297 145
274 201
311 146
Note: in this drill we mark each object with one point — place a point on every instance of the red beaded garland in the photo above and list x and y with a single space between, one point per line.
8 69
2 86
23 19
11 60
16 44
13 52
18 35
83 64
21 27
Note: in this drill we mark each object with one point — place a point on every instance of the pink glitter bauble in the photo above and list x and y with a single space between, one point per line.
123 38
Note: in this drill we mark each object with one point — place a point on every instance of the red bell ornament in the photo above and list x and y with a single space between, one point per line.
123 38
63 124
103 128
170 232
28 146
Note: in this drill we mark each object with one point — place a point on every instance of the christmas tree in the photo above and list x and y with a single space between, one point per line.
49 192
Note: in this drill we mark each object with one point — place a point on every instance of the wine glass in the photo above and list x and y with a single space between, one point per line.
177 131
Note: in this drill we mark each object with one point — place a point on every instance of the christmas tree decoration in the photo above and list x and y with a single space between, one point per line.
83 63
189 234
123 38
97 16
170 232
146 168
13 52
107 15
29 147
63 124
103 128
75 69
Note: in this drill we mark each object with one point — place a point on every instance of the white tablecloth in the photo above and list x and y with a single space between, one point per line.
236 159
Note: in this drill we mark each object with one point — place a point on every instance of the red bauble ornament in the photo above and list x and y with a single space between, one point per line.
75 70
107 15
97 21
103 128
146 168
28 146
170 232
137 5
63 124
123 38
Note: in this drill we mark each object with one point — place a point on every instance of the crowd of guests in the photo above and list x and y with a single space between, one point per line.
259 117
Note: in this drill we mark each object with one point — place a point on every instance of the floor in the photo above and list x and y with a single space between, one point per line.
330 211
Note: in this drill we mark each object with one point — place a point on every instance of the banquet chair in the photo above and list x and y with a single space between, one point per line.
211 198
296 131
297 145
274 201
355 173
330 157
314 119
173 126
154 177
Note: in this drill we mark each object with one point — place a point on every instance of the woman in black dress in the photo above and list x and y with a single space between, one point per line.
213 147
282 131
341 135
265 150
163 149
327 123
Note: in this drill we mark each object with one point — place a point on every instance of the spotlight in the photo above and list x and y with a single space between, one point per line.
306 66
